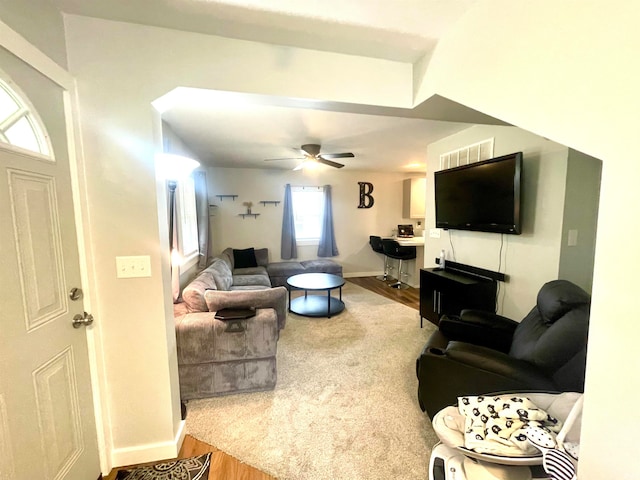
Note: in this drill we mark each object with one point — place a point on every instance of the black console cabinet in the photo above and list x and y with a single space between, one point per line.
447 292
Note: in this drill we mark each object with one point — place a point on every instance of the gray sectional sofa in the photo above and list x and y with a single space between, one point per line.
217 357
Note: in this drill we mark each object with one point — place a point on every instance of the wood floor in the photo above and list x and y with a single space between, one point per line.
223 466
407 296
226 467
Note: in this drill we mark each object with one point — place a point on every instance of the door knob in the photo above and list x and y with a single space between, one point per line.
80 320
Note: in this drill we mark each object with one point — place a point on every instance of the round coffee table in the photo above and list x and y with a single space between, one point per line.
315 305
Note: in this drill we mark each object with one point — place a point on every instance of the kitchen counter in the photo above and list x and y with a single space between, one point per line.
411 242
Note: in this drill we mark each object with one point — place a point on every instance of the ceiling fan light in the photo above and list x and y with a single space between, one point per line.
309 164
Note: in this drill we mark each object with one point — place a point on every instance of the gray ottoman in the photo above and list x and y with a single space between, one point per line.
220 357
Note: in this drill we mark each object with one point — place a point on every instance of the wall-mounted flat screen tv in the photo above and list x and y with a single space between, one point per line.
482 196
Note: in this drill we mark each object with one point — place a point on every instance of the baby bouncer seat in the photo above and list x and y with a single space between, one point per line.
508 436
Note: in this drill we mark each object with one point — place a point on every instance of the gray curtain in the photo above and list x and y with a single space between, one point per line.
327 246
173 241
288 248
202 214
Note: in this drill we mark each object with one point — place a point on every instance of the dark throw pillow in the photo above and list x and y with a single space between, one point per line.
244 258
194 468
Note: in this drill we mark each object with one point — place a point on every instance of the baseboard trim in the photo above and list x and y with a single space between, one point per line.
151 452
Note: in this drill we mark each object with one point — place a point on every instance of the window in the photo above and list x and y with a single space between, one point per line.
308 203
187 219
19 125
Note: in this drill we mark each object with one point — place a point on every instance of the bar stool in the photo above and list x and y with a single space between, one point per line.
376 246
393 249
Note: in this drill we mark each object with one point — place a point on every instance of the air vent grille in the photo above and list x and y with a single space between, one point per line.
475 152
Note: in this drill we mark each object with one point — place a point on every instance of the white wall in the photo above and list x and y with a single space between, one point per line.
352 225
570 72
531 258
40 23
120 69
582 196
566 71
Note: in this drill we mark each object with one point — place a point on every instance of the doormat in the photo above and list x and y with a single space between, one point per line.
194 468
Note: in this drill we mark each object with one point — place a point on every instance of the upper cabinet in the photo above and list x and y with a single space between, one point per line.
414 197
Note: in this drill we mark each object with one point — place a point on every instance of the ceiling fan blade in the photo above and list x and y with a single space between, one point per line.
337 155
299 167
289 158
329 162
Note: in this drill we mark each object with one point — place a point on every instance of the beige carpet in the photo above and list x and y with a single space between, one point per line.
345 405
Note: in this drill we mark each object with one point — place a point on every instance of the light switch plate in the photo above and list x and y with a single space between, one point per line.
131 267
572 241
434 232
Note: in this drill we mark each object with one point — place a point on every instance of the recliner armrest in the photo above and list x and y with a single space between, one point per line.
497 363
480 328
447 370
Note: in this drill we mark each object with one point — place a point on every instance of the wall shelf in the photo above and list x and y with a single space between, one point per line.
233 197
270 202
254 215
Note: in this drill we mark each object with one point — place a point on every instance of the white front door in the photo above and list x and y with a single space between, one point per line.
47 426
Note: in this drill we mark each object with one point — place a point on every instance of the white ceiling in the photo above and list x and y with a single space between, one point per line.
227 130
402 30
244 135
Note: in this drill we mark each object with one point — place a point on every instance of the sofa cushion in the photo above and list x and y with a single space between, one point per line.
259 270
244 258
258 279
221 274
322 265
227 256
262 256
193 294
247 287
284 269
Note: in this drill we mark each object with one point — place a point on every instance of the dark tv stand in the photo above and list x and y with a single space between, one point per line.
458 286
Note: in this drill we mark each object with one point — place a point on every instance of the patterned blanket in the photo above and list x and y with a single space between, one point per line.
496 424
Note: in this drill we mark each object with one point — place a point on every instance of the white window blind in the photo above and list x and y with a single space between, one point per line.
308 203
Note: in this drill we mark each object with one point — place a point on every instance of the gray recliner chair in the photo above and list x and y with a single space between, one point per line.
480 352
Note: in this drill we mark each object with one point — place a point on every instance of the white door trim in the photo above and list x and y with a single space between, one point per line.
17 45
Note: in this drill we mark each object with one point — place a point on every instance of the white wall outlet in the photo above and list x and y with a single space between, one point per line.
572 241
434 232
130 267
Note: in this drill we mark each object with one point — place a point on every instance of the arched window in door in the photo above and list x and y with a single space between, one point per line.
20 126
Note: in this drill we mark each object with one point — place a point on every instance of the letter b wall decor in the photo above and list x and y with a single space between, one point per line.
366 199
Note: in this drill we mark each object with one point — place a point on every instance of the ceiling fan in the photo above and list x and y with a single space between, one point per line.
311 152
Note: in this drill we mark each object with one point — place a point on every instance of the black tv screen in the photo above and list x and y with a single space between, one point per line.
482 196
